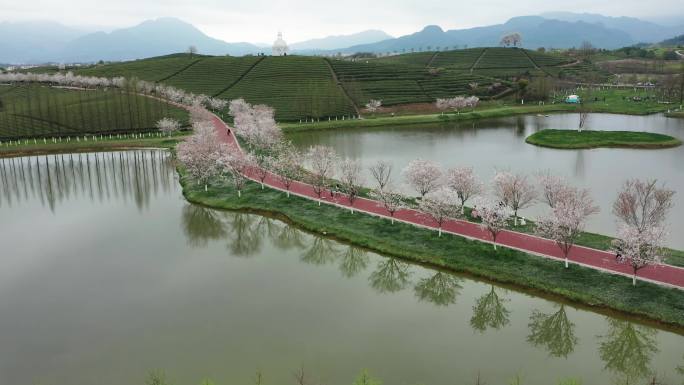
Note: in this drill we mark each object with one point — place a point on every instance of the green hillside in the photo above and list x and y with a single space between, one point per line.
43 111
302 87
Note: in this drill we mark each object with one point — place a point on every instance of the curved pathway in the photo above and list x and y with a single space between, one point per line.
666 275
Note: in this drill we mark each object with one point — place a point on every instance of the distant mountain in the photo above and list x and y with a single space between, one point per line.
150 38
675 41
33 41
639 30
341 41
536 32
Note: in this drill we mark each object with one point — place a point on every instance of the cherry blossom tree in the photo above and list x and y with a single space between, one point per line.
381 172
441 204
464 181
642 204
567 219
390 199
237 164
321 160
373 105
264 163
493 214
640 248
168 125
553 188
423 175
200 152
351 178
515 191
287 167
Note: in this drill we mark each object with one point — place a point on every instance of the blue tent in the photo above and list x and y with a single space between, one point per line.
572 99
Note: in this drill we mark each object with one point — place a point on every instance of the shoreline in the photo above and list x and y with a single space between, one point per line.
589 139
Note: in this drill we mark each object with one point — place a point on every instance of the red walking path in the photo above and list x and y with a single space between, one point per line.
666 275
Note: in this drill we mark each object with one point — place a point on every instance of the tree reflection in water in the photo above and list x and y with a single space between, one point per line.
554 332
489 312
243 241
390 276
627 349
288 237
353 261
321 252
440 289
202 225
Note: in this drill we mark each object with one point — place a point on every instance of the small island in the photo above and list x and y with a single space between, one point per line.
572 139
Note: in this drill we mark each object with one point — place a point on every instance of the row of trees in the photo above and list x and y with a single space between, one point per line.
457 103
641 207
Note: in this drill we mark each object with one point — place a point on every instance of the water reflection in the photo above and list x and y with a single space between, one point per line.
54 179
321 252
440 289
391 275
202 225
553 332
244 240
627 349
489 312
353 261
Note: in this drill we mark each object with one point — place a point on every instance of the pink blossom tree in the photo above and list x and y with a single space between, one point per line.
381 172
640 248
515 191
464 181
553 188
642 204
321 161
287 167
236 164
567 219
263 166
423 175
373 105
351 178
493 215
390 199
200 152
440 205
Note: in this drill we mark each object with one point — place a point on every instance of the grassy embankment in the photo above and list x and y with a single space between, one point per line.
584 285
104 143
572 139
614 101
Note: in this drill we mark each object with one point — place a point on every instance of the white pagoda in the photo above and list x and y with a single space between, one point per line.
280 46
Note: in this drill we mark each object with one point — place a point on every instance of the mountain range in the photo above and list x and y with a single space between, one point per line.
41 42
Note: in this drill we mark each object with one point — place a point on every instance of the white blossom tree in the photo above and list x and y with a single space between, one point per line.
390 199
321 161
515 191
423 175
168 126
642 204
441 204
464 181
351 178
381 172
640 248
373 105
567 219
200 152
493 215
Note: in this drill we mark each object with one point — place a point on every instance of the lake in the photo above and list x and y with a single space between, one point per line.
109 274
491 144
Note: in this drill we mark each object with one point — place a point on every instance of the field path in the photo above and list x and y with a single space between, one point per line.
472 68
665 275
339 84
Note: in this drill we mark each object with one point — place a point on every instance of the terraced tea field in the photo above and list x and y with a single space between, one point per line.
302 87
43 111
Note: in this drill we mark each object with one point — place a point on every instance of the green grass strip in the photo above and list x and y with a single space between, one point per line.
572 139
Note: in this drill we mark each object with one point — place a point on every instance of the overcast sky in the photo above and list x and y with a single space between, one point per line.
259 20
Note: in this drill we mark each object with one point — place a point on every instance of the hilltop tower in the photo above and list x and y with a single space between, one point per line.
280 46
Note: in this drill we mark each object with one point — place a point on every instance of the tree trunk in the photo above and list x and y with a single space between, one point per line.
439 232
494 245
566 262
288 193
262 185
239 194
392 219
206 188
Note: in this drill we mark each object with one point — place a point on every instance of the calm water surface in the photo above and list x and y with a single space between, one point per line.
107 274
488 145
